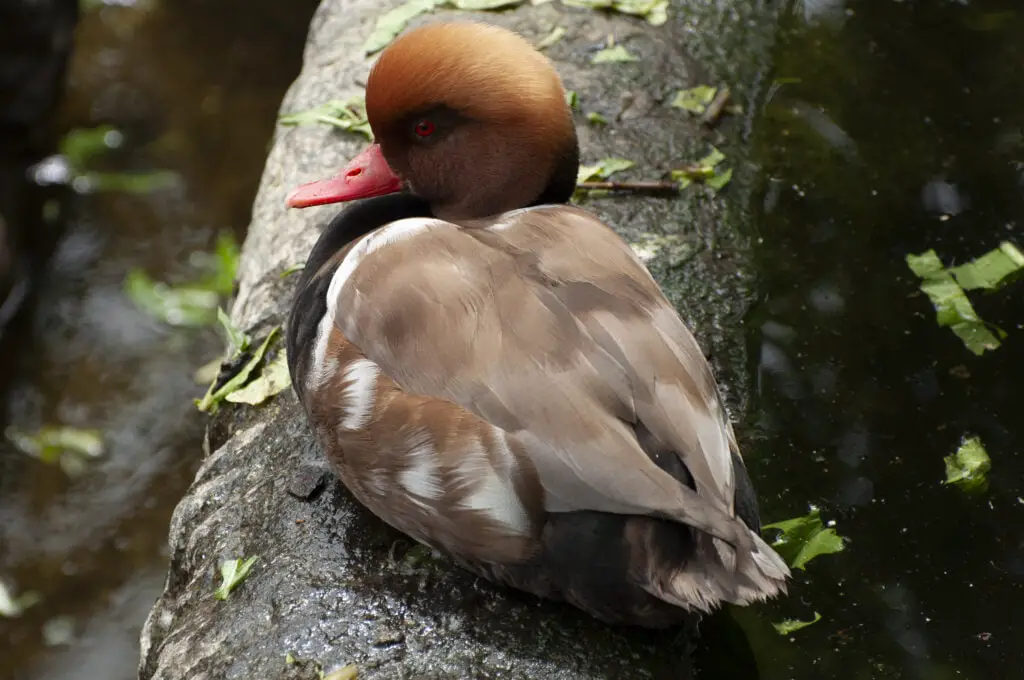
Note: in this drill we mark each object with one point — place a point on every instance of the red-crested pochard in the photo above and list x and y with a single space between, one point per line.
494 372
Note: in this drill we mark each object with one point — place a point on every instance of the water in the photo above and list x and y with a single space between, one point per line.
194 87
893 127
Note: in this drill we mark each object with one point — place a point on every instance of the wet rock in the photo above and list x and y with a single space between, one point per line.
334 585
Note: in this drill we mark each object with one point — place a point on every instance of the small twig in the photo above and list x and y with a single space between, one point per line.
714 110
652 186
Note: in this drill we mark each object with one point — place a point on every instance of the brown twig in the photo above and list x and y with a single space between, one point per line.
643 186
714 110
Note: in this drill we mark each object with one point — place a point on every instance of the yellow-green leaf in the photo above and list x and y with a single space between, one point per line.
484 4
345 114
968 468
556 34
349 672
232 573
788 626
695 100
654 11
218 393
801 539
992 270
12 606
603 169
613 54
273 380
952 308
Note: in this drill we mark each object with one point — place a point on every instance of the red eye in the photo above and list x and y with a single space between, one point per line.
424 128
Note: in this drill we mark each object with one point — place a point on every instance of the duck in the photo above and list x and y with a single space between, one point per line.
494 372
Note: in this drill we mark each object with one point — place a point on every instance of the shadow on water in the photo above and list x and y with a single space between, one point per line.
194 88
892 128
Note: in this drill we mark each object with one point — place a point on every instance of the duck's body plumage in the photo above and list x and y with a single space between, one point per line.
517 391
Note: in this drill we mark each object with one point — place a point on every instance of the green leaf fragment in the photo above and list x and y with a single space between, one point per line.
293 269
125 182
349 672
393 22
81 145
273 380
705 170
12 606
603 169
232 573
572 99
188 306
695 100
992 270
348 115
556 34
289 659
968 468
952 308
70 448
213 396
804 538
654 11
614 54
483 4
788 626
595 118
238 340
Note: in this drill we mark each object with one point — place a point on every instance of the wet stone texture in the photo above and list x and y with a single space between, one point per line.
333 585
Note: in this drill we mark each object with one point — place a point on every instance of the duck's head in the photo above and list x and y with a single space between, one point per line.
469 117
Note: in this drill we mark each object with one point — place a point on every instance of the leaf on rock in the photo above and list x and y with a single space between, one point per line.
556 34
613 54
654 11
273 380
695 100
232 573
219 392
348 115
968 468
705 170
483 4
603 169
788 626
801 539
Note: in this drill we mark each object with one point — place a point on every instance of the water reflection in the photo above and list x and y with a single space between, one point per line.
861 393
188 86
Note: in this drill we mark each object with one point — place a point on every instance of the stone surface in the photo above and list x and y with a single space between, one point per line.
333 585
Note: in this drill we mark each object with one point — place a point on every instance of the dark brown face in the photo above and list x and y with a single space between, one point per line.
467 168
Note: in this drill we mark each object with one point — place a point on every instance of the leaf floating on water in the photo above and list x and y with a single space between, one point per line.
71 448
992 270
788 626
232 573
705 170
348 115
273 380
603 169
12 606
614 54
695 100
952 308
176 306
556 34
654 11
80 145
804 538
218 393
968 468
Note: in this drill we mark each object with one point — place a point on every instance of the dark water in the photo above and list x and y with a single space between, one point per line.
894 127
902 130
194 88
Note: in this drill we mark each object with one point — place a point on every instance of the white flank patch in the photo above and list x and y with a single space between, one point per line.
493 492
323 369
360 393
422 477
